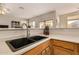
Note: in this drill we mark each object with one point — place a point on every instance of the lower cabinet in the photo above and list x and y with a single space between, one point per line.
62 51
60 47
42 49
55 47
46 51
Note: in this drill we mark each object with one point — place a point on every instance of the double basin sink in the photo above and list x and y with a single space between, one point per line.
20 43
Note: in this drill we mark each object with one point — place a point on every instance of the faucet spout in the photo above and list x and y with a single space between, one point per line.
27 28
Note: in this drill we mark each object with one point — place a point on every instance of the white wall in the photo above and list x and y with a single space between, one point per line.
65 31
66 10
36 32
62 11
47 16
9 34
6 19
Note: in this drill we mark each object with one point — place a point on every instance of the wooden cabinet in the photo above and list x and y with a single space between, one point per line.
42 49
46 51
62 51
64 44
55 47
60 47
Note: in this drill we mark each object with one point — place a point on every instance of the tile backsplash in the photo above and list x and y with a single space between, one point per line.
64 31
13 34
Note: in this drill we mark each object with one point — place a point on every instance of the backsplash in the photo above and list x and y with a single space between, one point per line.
13 34
65 31
36 32
9 34
61 31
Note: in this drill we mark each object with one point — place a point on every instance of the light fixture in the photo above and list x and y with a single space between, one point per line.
3 10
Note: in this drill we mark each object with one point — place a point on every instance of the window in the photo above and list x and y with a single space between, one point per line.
49 23
42 24
46 23
73 21
32 24
73 24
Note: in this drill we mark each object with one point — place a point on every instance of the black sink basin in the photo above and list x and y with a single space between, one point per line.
20 43
37 38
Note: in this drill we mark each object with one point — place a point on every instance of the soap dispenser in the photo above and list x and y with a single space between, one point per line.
46 30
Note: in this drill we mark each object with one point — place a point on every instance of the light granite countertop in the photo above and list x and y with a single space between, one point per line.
5 50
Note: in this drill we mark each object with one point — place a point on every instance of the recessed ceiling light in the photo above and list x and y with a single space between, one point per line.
3 10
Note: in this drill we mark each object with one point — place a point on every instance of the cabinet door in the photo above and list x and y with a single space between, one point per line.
39 49
64 44
62 51
44 52
67 47
48 50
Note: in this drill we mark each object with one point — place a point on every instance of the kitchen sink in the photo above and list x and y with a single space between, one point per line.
37 38
20 43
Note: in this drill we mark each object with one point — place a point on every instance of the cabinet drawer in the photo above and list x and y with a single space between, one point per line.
62 51
64 44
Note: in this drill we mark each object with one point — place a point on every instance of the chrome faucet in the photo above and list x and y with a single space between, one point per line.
27 26
28 31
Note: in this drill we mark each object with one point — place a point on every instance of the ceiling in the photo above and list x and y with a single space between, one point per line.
28 10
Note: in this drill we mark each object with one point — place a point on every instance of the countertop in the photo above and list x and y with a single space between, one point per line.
5 50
